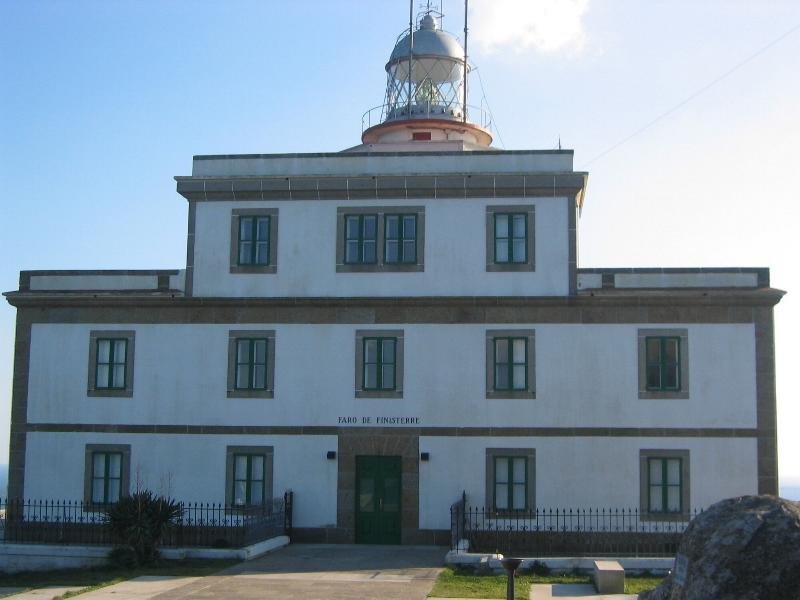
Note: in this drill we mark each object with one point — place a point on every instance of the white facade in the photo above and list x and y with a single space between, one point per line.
620 368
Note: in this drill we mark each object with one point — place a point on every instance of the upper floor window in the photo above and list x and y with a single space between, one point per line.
111 363
254 240
251 363
361 242
380 238
379 364
510 238
510 367
400 239
663 363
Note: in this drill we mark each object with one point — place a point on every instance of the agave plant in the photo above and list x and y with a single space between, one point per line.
140 521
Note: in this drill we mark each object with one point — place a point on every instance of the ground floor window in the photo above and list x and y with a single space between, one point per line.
248 475
106 473
510 479
664 483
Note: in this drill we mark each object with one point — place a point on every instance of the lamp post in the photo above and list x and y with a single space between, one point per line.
510 565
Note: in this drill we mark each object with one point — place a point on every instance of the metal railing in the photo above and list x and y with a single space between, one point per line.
386 113
539 532
200 524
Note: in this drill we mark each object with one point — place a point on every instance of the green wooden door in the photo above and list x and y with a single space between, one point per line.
378 499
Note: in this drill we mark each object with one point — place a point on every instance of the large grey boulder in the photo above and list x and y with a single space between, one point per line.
744 548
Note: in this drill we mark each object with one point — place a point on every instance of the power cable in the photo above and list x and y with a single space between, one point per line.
693 96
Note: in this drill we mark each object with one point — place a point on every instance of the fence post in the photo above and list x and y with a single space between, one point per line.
288 500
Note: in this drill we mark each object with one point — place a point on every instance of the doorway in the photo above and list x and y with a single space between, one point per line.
378 493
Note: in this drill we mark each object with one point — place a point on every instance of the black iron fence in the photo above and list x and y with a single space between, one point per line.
566 532
200 524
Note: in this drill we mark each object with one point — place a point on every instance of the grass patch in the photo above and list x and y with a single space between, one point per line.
464 583
640 583
98 577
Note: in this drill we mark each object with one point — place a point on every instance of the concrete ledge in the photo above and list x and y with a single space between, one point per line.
562 564
47 557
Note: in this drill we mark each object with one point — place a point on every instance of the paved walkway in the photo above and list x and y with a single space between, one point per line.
322 572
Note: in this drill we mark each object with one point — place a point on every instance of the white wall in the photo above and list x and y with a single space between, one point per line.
190 468
586 376
584 472
455 252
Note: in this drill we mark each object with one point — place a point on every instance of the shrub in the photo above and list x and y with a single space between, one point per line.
140 521
539 568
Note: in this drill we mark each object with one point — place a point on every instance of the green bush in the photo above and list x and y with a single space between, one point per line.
140 521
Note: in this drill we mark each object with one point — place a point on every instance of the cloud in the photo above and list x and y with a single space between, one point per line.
547 26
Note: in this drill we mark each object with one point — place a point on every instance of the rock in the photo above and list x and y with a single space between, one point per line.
744 548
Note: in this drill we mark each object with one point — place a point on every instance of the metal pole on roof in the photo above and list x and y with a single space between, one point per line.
410 49
466 29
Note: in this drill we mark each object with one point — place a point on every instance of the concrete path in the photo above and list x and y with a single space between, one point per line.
321 572
575 591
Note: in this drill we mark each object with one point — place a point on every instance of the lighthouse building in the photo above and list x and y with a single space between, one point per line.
382 328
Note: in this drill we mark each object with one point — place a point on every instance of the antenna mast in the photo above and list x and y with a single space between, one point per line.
410 49
466 29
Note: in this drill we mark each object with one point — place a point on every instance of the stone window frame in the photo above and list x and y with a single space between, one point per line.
530 263
530 392
89 450
270 268
491 454
268 452
644 507
683 335
399 335
380 266
233 336
100 392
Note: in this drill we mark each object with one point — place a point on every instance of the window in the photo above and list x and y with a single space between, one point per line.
111 363
664 487
663 368
254 240
510 369
248 475
509 238
401 239
663 363
361 239
379 364
374 239
106 473
251 363
510 479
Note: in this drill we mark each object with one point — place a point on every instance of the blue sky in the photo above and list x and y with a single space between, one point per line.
102 103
